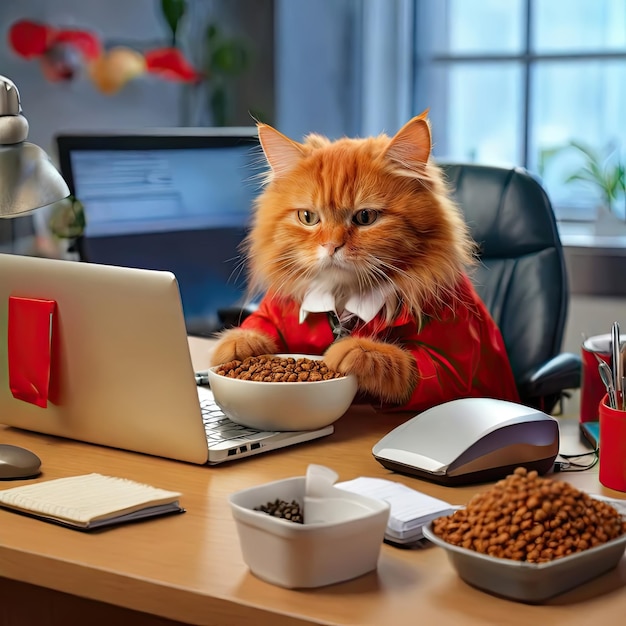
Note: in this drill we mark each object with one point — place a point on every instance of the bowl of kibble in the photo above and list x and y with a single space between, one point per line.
279 392
530 538
304 532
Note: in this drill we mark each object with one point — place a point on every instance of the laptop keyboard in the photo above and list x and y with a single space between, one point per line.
220 428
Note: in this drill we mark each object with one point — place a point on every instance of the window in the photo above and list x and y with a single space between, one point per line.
516 82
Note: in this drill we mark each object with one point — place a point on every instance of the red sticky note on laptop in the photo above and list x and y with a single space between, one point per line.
29 348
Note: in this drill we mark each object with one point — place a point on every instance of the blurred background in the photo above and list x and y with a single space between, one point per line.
535 83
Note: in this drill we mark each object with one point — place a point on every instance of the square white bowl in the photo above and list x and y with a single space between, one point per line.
340 538
530 582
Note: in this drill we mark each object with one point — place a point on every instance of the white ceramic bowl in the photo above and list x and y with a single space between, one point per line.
530 582
283 406
342 542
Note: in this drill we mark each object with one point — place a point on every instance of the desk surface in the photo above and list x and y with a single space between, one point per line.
189 567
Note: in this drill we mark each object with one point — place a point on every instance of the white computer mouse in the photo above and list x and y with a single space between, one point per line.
471 440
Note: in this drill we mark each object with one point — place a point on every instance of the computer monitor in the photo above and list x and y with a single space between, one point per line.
175 199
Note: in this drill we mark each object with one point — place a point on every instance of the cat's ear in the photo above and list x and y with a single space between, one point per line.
410 147
281 152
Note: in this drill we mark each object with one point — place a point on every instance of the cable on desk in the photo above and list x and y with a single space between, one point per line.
571 462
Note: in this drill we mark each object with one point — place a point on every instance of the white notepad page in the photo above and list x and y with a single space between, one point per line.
410 509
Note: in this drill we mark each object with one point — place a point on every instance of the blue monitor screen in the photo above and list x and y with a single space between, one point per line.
142 191
184 207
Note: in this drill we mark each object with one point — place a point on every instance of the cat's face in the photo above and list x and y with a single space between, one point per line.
354 215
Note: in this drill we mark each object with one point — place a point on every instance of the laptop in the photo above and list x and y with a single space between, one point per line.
176 199
121 373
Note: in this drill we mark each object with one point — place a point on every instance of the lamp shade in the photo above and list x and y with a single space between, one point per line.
28 179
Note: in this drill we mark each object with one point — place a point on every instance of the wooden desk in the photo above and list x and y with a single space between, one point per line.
189 568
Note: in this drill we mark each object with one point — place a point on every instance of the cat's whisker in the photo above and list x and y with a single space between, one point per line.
288 276
420 290
237 271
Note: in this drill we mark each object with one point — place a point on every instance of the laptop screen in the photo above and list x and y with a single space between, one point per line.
175 199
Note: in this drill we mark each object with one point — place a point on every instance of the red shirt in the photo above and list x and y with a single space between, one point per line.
458 350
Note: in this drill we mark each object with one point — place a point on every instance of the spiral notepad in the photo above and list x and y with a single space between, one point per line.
90 501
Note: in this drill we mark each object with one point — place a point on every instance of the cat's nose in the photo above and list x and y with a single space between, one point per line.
331 247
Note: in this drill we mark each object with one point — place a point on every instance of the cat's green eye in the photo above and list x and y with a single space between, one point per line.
365 217
309 218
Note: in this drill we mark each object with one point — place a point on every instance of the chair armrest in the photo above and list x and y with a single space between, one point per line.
561 372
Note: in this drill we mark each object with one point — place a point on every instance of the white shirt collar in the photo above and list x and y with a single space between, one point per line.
364 306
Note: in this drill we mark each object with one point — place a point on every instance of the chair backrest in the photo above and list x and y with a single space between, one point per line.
521 276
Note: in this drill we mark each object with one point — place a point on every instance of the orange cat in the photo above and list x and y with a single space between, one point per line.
362 257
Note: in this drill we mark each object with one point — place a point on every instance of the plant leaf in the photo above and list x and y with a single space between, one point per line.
583 175
230 57
173 11
590 153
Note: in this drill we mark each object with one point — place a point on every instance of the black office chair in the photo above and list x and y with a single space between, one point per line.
521 276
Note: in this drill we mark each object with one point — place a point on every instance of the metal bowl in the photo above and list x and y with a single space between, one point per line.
530 582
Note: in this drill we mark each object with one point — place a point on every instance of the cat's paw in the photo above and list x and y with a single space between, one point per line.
383 370
239 344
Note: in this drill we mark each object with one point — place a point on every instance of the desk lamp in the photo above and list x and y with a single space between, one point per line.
28 181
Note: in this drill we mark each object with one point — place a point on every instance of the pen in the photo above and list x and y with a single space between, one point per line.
617 364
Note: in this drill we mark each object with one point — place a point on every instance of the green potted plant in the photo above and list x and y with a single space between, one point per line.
602 169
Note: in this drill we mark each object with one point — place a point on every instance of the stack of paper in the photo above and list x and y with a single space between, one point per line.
90 501
410 510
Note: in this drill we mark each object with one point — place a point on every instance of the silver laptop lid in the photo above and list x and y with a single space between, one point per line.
121 374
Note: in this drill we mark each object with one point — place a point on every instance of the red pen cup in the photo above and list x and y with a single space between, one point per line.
612 446
592 388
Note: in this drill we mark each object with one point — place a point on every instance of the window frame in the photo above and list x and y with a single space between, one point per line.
427 59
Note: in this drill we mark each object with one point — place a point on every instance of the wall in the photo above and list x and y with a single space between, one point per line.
597 271
147 102
343 67
78 105
317 67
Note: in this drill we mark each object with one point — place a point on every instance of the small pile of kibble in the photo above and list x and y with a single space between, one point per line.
276 369
291 511
529 518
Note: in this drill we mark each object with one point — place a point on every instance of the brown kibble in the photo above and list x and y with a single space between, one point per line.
503 537
533 556
270 368
536 531
291 511
526 517
532 502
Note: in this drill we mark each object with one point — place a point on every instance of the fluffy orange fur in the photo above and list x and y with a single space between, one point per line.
349 216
